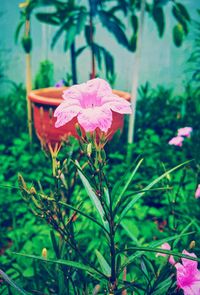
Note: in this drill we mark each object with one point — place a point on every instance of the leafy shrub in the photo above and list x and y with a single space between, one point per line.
13 114
45 76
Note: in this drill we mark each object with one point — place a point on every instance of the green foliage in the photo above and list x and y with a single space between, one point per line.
167 212
194 60
45 76
13 114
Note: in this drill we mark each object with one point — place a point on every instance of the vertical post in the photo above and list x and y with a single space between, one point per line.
136 74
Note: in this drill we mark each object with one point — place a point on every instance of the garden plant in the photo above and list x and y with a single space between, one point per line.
94 211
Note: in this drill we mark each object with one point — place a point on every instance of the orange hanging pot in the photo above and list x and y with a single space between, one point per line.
46 100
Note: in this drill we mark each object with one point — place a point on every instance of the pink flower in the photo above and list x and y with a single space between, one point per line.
188 276
185 131
178 141
166 246
197 193
92 103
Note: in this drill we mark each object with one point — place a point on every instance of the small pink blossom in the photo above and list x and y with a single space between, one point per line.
188 275
92 103
185 131
197 193
178 141
166 246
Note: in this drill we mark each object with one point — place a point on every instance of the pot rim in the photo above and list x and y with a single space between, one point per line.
36 96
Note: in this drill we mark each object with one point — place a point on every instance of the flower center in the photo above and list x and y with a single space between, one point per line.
90 100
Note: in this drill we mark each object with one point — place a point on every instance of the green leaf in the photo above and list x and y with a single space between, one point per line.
80 50
93 196
18 29
80 23
48 18
163 286
178 35
131 230
183 11
134 22
12 283
159 250
103 263
84 214
133 43
70 36
159 18
87 35
28 272
128 182
55 244
73 264
180 19
154 244
113 26
138 196
64 28
109 62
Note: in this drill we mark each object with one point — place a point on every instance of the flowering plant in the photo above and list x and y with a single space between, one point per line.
118 267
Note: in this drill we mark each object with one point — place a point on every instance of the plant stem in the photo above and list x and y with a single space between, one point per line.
113 278
73 62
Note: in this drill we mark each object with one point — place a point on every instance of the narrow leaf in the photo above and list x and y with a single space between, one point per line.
103 263
138 196
93 196
84 214
158 16
74 264
12 283
128 182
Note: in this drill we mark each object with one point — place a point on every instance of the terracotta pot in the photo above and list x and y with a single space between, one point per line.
45 102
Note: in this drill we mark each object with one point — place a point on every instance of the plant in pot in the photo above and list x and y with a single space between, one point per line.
72 19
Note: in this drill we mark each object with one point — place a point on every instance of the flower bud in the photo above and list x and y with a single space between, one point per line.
27 44
78 129
192 244
44 252
89 149
32 191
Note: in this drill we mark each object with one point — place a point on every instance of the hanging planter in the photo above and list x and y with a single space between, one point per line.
46 100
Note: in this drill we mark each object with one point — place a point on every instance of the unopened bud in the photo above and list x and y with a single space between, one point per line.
44 253
23 4
168 177
192 244
32 191
78 129
89 149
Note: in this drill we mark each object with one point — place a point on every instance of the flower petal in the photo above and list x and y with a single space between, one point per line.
74 92
117 104
65 113
194 289
189 264
97 117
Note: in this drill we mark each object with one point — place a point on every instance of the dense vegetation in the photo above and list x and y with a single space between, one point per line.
160 214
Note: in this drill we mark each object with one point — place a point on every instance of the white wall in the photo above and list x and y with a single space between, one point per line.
161 62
